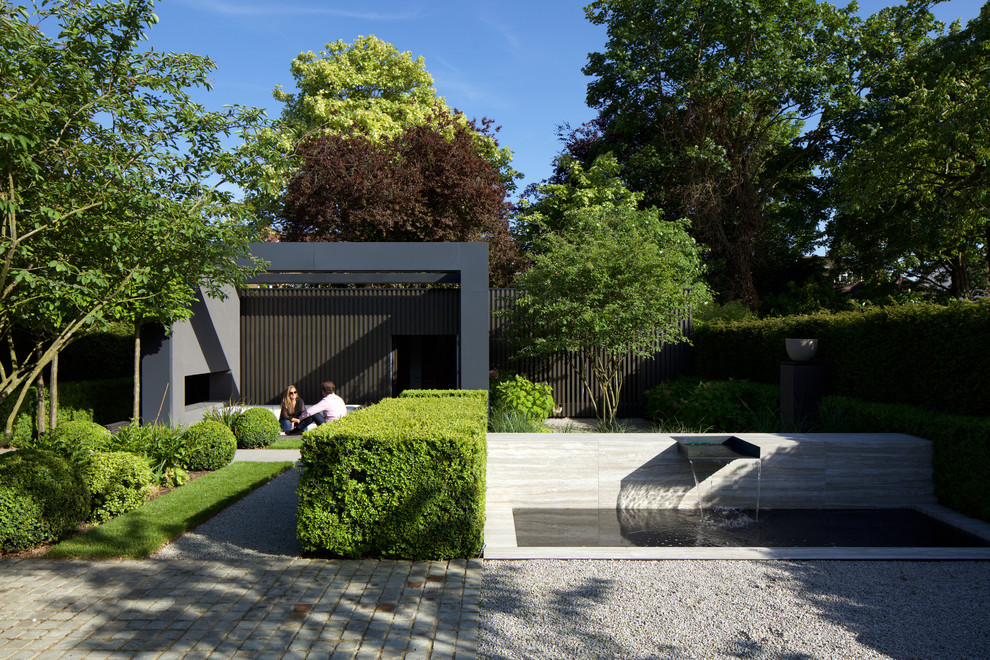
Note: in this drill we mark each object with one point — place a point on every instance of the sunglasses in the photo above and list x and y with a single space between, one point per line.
291 392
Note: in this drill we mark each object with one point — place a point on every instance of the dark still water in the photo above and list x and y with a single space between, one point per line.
776 528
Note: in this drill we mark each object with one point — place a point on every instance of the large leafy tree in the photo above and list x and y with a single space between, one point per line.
705 102
426 183
912 188
617 280
574 187
110 176
366 88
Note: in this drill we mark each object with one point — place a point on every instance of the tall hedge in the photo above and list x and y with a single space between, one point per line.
404 478
919 354
960 445
100 401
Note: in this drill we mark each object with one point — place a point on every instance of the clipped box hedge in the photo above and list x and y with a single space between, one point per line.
429 394
960 445
404 478
920 354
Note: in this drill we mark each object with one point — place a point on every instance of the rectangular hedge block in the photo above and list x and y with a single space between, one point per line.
404 478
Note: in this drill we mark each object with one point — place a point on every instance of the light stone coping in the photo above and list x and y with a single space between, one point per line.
644 470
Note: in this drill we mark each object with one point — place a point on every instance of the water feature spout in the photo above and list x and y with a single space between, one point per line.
723 449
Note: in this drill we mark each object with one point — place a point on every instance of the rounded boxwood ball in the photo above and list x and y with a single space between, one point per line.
209 446
41 498
255 427
118 482
78 435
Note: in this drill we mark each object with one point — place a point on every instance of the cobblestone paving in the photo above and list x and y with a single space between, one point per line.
293 608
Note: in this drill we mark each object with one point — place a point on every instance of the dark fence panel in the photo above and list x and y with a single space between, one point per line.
306 336
640 374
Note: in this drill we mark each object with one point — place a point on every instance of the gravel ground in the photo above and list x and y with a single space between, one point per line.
734 609
794 610
254 527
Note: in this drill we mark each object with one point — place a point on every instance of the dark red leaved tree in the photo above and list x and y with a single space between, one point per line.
430 183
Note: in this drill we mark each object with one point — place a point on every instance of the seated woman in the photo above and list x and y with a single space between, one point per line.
292 409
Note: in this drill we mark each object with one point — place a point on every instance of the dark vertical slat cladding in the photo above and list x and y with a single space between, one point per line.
639 374
306 336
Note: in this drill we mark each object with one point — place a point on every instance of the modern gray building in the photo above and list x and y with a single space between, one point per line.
258 340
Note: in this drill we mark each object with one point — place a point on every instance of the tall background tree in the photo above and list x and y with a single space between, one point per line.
912 184
720 111
427 183
368 90
110 176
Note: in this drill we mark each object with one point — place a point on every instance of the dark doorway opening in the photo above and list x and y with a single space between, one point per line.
424 362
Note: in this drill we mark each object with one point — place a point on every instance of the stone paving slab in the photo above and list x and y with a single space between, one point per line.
295 608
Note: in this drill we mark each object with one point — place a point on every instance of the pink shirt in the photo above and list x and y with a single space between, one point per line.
332 407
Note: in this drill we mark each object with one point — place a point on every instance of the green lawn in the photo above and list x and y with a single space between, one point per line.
143 531
288 442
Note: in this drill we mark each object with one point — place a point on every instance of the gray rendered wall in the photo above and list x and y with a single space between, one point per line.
209 343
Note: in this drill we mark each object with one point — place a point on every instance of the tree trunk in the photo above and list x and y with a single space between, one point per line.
136 410
986 250
958 277
53 395
39 386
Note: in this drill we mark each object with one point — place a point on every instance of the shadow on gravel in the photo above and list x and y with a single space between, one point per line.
795 610
902 609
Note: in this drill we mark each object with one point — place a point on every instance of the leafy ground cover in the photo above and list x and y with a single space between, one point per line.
143 531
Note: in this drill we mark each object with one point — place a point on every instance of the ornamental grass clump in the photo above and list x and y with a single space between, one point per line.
163 447
255 427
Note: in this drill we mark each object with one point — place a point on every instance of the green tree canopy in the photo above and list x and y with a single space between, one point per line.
367 88
704 102
110 176
912 183
617 280
600 186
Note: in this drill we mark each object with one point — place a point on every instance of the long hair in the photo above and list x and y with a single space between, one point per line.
287 407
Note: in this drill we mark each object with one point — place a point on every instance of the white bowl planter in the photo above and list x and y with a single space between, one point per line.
801 350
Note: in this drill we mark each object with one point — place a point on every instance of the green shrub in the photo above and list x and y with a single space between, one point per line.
714 406
22 520
118 482
920 354
209 446
49 498
75 441
960 445
534 400
163 447
404 478
255 427
87 435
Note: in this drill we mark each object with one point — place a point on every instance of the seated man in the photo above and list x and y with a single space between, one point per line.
327 409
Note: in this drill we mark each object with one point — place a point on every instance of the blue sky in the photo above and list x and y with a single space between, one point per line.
516 62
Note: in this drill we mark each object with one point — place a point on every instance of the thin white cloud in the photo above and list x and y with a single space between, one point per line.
278 9
515 46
